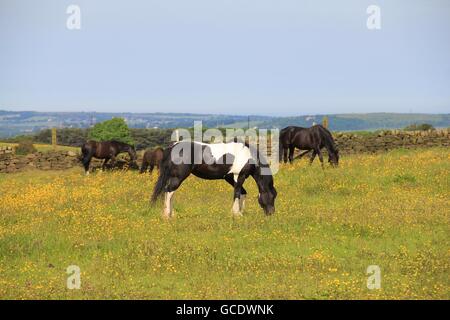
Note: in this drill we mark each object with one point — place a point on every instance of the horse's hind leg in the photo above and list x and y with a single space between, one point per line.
168 204
173 184
104 164
86 162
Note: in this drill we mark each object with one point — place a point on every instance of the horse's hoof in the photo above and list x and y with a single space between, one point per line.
168 215
242 203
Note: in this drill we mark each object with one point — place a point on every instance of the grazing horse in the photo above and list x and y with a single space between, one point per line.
152 158
314 138
107 150
233 162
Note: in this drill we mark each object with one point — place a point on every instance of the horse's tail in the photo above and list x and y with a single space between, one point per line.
284 134
280 150
86 151
164 175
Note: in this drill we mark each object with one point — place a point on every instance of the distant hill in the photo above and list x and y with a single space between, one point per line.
363 121
13 123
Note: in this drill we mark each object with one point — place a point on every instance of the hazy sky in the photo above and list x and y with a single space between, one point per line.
274 57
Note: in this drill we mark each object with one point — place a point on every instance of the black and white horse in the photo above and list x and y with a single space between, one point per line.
234 162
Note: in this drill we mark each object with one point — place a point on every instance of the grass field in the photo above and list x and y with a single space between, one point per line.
390 210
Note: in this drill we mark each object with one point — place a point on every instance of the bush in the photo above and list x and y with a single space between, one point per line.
419 127
25 147
114 129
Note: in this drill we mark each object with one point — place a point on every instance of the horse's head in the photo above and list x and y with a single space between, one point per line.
333 158
267 194
132 153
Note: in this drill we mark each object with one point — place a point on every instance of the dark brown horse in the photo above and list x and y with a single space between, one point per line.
107 150
152 158
315 138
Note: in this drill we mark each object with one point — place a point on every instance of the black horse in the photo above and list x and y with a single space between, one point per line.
315 138
107 150
233 162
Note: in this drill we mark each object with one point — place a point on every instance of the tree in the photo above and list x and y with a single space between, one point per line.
114 129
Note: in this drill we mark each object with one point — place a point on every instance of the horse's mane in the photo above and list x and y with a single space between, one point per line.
261 162
328 138
123 144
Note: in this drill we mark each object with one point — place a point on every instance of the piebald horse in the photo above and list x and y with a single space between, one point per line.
233 162
107 150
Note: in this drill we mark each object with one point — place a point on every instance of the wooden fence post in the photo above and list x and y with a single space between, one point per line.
325 122
54 142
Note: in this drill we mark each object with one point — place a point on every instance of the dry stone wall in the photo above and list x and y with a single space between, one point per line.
387 140
348 144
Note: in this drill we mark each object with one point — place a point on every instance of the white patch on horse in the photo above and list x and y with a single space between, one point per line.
242 202
168 208
236 207
240 152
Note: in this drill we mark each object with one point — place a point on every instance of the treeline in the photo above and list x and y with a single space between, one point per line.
142 138
75 137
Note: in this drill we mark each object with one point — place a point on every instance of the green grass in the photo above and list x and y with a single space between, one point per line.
389 210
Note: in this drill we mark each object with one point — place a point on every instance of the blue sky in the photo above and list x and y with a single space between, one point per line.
277 57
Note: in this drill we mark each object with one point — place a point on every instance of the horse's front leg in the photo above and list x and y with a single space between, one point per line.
240 206
104 164
319 153
291 153
113 161
242 199
313 156
238 193
285 154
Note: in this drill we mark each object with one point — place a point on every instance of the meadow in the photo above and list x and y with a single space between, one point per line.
389 210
